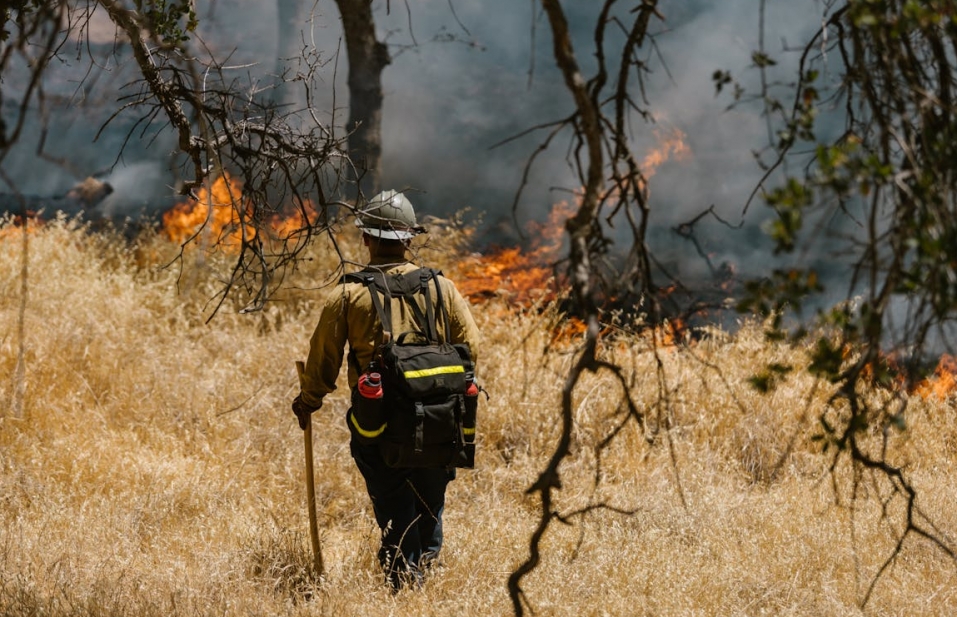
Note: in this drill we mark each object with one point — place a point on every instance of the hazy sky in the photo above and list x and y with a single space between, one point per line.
448 103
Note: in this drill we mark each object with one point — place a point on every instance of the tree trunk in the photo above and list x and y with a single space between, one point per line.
290 21
367 57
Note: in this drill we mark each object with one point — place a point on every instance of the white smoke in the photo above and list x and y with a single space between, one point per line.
459 83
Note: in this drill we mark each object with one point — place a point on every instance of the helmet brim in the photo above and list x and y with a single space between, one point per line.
390 233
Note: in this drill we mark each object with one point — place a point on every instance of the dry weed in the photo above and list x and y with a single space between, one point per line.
157 469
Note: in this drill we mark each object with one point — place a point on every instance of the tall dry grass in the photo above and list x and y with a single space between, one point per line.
156 470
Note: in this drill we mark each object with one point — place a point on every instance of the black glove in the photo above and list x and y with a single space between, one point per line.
302 411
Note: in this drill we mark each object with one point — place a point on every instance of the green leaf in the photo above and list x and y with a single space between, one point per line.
826 360
761 59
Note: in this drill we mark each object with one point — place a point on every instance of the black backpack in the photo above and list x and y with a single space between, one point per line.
425 414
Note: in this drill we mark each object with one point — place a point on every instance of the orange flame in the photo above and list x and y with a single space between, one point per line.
223 224
943 383
526 276
671 333
671 144
214 210
17 226
283 226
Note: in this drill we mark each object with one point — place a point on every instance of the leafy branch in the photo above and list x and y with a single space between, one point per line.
893 166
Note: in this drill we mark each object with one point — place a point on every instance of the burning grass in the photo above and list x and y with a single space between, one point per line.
157 469
219 215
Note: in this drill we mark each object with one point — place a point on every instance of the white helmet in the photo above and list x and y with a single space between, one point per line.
389 215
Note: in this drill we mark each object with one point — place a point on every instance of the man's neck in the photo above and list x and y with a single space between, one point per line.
387 260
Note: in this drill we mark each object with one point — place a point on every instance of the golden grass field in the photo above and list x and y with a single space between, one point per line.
150 464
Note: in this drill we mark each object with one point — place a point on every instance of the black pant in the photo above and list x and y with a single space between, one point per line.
408 506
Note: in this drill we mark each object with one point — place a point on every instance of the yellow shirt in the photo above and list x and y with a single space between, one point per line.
348 316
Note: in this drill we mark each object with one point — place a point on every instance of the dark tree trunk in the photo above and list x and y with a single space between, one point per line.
367 58
290 18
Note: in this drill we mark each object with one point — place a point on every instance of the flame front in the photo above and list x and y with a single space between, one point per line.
213 210
216 211
671 145
526 275
20 226
943 383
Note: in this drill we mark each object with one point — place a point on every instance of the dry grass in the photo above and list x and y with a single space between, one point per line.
157 470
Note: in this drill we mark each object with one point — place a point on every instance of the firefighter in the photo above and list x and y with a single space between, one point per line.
408 503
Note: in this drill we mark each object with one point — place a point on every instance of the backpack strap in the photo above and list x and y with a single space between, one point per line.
430 330
406 287
441 304
428 321
372 282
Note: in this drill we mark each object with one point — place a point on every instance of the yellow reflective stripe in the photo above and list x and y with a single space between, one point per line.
363 432
438 370
469 431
